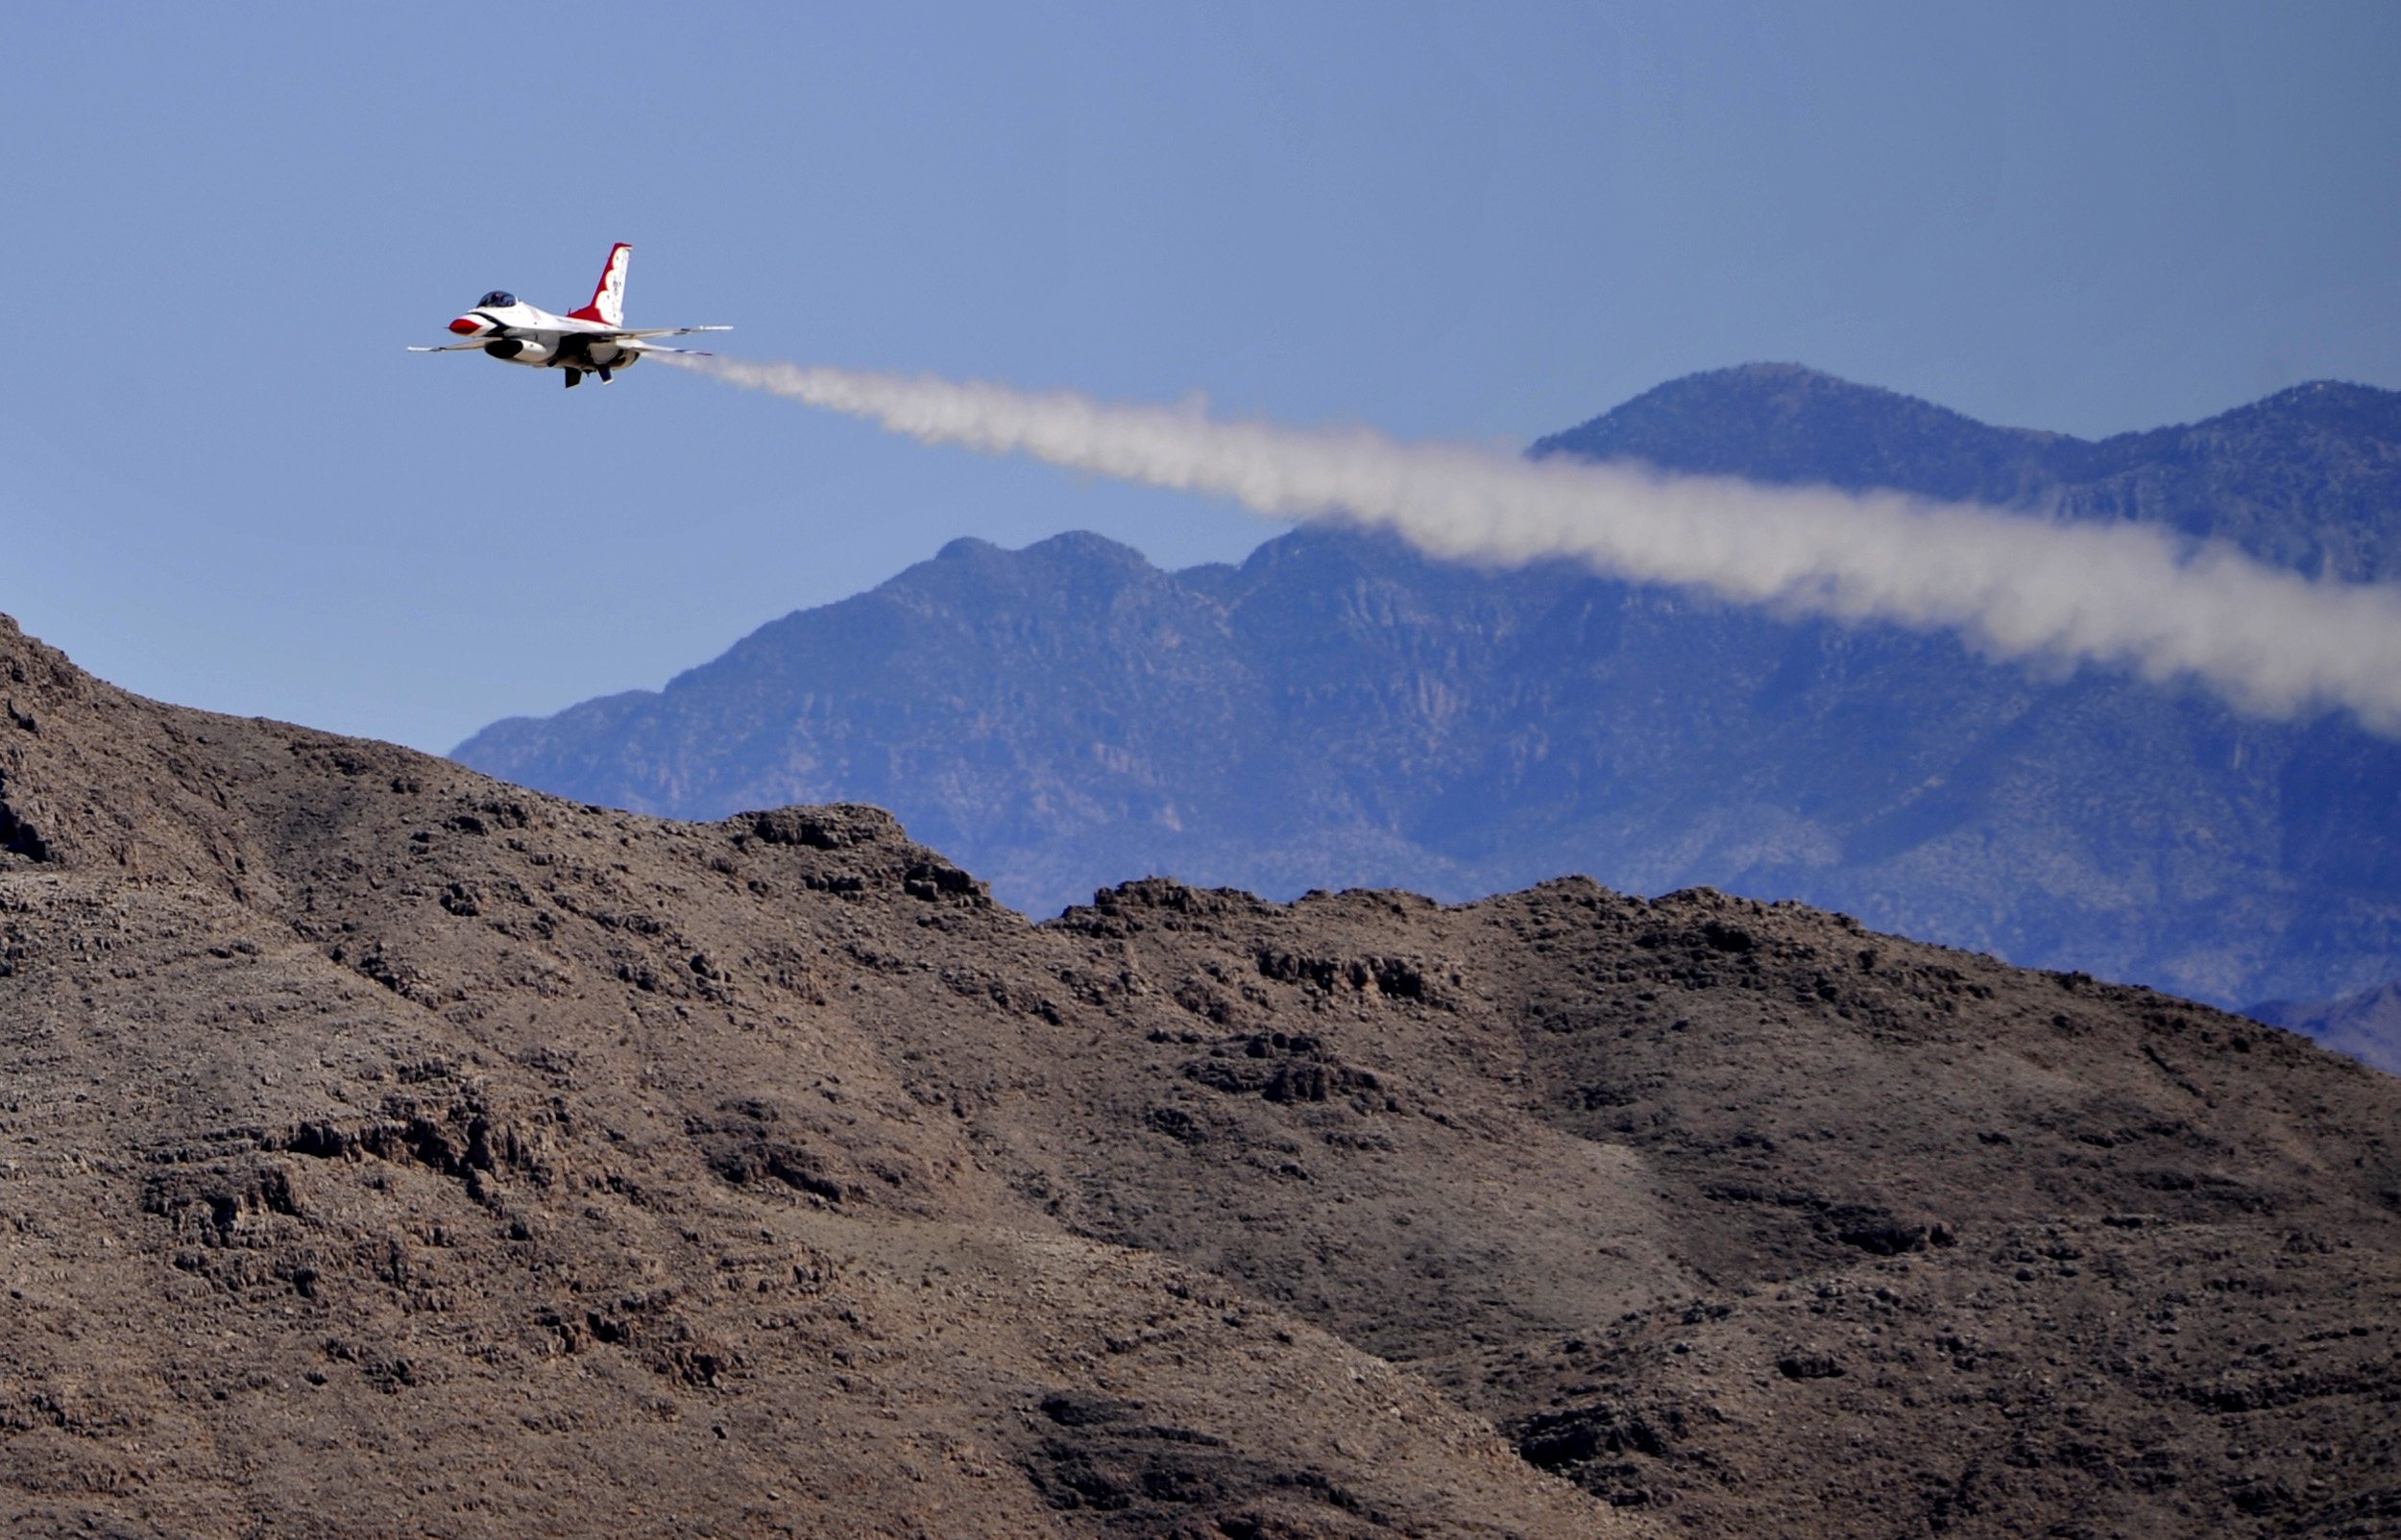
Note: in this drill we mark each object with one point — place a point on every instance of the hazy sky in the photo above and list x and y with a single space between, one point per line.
224 483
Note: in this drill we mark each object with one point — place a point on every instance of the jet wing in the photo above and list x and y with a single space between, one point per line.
455 346
575 327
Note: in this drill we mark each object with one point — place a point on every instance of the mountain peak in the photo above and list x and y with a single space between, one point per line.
1081 548
1790 425
2361 411
2307 478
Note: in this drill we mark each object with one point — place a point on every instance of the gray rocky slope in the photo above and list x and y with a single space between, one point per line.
389 1151
1340 711
2365 1026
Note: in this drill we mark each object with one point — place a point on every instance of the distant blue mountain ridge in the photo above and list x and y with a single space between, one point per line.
1339 710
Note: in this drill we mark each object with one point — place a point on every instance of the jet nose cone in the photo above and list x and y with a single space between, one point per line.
466 325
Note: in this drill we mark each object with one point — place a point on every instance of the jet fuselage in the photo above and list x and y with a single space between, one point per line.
520 333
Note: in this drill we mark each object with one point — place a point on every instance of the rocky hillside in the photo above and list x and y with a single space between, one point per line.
2365 1026
387 1150
1340 711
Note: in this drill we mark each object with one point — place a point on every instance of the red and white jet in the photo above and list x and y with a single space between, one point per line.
593 340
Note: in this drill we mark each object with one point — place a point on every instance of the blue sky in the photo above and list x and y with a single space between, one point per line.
221 482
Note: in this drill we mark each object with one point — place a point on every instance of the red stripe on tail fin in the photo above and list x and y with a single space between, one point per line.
608 297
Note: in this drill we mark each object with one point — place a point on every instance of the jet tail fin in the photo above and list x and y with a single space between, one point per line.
608 298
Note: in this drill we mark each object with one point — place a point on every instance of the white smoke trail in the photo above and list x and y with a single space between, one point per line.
2270 642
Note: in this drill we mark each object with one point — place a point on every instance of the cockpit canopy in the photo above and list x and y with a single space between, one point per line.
497 300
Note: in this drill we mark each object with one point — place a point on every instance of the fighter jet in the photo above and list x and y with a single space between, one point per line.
591 340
